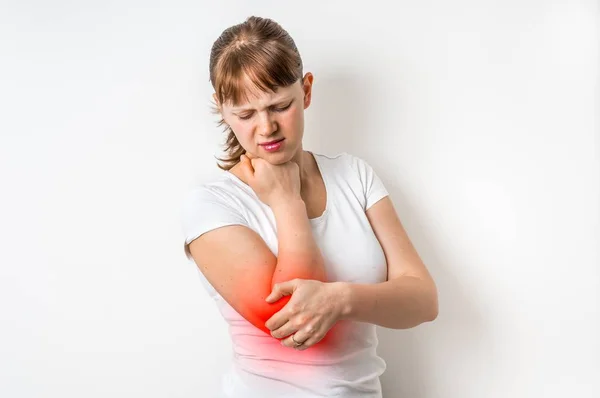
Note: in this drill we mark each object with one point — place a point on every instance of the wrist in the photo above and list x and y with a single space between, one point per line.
287 205
345 299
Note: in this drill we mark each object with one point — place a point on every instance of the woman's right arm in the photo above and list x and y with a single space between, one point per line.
242 269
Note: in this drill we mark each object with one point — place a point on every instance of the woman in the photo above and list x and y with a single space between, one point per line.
303 253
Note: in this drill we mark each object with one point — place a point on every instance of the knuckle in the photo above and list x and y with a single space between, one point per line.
298 322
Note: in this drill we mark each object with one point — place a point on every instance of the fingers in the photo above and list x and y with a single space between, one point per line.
249 162
251 158
279 319
311 341
245 160
247 168
292 341
308 337
282 289
284 331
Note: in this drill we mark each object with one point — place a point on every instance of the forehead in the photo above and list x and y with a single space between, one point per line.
254 98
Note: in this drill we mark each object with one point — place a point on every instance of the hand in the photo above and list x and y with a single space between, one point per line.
271 183
310 313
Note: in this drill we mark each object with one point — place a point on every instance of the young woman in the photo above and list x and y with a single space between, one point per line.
303 253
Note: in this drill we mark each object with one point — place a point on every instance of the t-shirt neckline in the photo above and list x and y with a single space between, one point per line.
324 176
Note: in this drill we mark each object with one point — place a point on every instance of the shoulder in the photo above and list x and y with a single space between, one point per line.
346 164
222 189
341 162
213 204
351 172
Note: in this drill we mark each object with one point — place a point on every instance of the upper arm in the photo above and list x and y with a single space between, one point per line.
234 259
239 265
400 254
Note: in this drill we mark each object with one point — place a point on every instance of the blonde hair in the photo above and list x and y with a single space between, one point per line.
258 51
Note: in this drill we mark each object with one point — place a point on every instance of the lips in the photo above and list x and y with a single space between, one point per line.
272 146
271 142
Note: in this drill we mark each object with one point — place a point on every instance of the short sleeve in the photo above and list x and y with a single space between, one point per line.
204 210
372 186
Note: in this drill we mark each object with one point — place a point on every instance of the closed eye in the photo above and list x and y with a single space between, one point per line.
275 109
281 109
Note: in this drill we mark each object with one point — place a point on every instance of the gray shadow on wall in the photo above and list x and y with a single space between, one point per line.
417 357
338 121
333 122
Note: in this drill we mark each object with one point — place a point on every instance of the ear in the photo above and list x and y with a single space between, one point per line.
307 83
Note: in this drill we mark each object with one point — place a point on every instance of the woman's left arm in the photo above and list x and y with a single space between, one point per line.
407 299
409 296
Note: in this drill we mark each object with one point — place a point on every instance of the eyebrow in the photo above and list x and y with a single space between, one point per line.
276 102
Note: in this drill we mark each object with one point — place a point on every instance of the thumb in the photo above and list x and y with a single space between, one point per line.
254 162
247 168
282 289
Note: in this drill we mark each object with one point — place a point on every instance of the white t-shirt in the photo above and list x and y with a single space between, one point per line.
348 365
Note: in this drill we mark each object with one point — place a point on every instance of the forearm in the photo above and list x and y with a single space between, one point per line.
400 303
298 257
298 254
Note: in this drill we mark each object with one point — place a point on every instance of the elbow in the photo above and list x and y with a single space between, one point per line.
432 312
432 309
425 310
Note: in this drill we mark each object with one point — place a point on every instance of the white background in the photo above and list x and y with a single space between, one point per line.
480 116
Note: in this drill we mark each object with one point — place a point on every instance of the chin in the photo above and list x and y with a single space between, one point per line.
277 158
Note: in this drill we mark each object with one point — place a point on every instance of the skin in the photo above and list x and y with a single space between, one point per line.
291 299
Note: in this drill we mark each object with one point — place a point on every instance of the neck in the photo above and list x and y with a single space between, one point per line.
304 162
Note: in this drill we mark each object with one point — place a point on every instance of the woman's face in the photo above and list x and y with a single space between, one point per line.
271 125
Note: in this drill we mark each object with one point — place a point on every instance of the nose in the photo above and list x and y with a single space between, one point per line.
267 125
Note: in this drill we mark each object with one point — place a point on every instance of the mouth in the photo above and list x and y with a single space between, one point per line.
272 146
271 142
